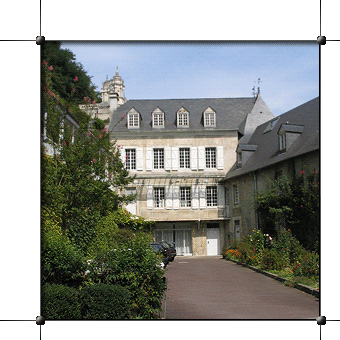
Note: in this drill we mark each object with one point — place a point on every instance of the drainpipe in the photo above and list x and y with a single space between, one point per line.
255 192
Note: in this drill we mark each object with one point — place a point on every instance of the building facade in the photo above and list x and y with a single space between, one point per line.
180 151
285 145
198 163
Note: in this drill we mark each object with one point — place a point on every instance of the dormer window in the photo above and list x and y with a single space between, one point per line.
209 117
182 118
282 142
288 133
239 160
158 118
133 118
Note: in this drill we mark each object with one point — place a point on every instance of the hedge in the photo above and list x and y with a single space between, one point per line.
59 302
105 302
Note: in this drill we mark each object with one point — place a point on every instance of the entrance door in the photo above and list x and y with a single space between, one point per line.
213 241
183 242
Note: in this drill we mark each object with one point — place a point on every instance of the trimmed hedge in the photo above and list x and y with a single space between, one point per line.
105 302
60 302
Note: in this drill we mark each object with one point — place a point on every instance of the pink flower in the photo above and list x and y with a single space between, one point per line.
51 68
100 136
64 143
93 160
89 133
302 172
89 101
104 130
93 102
44 63
76 78
73 90
84 99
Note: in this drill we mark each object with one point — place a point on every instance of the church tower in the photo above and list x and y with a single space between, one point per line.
113 91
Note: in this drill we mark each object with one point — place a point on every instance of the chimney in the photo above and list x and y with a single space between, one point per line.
113 100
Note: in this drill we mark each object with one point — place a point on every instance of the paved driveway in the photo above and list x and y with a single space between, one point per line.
213 288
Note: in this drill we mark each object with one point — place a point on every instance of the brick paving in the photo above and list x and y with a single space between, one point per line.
212 288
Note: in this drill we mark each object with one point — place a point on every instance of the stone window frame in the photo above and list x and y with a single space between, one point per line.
211 195
183 118
159 197
209 117
130 159
185 197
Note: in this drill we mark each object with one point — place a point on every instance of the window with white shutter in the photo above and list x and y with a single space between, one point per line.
149 200
220 196
139 159
184 158
201 158
195 195
220 162
175 197
148 159
122 156
193 158
203 202
175 154
167 158
168 197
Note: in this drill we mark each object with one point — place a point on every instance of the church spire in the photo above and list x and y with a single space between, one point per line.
117 71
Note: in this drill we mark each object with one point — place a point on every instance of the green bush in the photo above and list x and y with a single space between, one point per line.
61 261
105 302
133 265
59 302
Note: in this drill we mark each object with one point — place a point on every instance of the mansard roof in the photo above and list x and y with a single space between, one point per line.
230 113
303 119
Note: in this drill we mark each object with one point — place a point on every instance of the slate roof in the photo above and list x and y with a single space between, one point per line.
230 113
306 115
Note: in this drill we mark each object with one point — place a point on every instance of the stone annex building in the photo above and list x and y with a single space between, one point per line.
198 162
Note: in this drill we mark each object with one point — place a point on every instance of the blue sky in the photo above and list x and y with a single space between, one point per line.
289 72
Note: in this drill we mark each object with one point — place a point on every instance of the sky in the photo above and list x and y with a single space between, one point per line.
288 72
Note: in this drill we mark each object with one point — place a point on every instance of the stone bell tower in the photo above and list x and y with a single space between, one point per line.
113 91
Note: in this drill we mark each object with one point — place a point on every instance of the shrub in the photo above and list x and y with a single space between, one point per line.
308 265
59 302
105 302
133 265
271 259
61 261
288 246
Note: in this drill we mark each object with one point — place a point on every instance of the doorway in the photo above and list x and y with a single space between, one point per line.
213 241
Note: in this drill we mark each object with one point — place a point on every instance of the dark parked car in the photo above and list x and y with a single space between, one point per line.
161 250
171 249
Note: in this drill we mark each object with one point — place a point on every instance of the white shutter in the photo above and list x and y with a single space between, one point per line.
220 195
168 197
220 163
201 158
193 158
149 198
167 158
203 202
175 158
122 156
139 158
148 159
194 201
175 195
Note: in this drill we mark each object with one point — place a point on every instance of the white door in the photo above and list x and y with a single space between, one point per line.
213 241
183 242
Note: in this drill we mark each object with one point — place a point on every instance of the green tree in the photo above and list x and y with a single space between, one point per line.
293 202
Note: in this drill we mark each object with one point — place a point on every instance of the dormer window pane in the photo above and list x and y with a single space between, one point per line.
210 119
158 120
183 119
282 142
133 120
